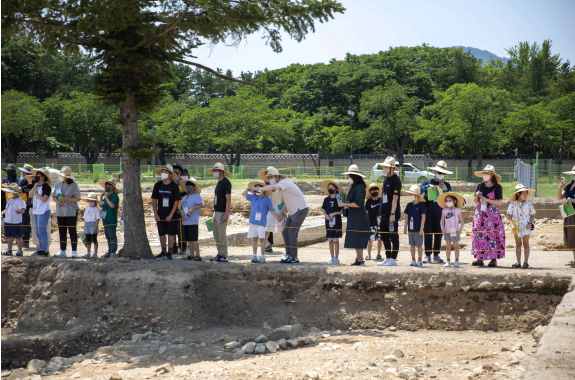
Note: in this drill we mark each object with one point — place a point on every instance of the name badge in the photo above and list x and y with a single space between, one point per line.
411 224
186 210
379 220
166 202
8 218
483 206
258 216
384 198
332 221
453 232
35 203
215 200
104 214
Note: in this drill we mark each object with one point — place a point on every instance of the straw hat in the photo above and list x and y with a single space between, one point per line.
66 172
371 186
118 175
571 172
183 183
442 196
389 162
13 188
259 183
269 171
93 197
518 189
353 169
43 171
173 176
27 168
441 167
111 181
488 169
414 190
327 182
10 167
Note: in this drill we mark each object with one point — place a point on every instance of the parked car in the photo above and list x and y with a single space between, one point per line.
411 173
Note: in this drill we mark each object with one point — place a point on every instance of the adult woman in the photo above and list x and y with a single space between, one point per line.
273 224
568 223
41 208
66 196
488 240
357 218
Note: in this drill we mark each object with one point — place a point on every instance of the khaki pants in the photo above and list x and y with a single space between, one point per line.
220 235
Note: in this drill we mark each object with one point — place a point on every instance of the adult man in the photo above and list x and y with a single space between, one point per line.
432 188
390 211
296 206
179 243
165 201
222 204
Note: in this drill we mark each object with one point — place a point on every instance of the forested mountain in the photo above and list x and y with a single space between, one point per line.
484 55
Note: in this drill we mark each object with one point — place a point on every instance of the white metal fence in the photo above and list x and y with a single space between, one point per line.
527 175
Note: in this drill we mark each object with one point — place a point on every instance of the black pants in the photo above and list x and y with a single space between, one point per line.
68 224
92 238
27 229
271 238
432 225
390 240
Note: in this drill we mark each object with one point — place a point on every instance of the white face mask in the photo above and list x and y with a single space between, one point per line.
185 177
92 204
412 198
449 204
121 180
573 177
439 176
273 181
60 179
385 169
486 177
216 174
350 180
165 175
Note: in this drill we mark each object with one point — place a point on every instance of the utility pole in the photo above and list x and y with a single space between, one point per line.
154 146
351 114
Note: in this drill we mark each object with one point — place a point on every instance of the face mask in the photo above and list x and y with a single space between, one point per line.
374 194
165 175
257 192
121 180
412 197
449 204
185 177
486 177
273 181
11 174
439 176
385 170
189 189
350 180
60 179
331 191
92 204
216 174
107 189
573 177
37 178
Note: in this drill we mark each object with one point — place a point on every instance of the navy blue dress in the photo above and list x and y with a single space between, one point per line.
357 220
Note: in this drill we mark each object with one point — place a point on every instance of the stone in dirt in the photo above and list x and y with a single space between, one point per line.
390 358
485 285
392 328
139 359
164 367
163 349
262 339
397 353
240 352
283 344
249 348
86 362
18 373
110 309
301 341
517 347
311 375
76 375
538 332
272 346
115 376
372 364
286 332
136 337
232 345
519 355
53 367
260 349
292 343
35 366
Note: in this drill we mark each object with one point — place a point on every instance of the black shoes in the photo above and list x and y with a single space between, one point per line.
220 259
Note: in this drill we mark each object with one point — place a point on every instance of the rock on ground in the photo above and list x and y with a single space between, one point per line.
292 343
397 353
249 348
538 332
311 375
139 359
286 332
232 345
35 366
260 349
283 344
262 339
272 346
18 374
390 358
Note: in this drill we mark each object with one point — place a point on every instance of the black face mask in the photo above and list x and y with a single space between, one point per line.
37 178
11 174
107 189
189 190
331 191
374 194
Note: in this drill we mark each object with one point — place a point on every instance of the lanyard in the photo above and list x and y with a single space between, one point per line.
10 204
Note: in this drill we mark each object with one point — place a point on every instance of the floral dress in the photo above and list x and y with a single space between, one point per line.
488 240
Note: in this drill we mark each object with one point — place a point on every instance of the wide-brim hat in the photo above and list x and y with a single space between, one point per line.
26 168
10 167
389 162
183 183
353 169
327 182
259 183
111 181
118 175
66 172
519 188
441 167
488 169
371 186
43 171
12 188
218 166
442 196
173 176
414 190
93 197
571 172
269 171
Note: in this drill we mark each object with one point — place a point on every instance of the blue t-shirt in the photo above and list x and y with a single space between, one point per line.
193 217
262 205
415 211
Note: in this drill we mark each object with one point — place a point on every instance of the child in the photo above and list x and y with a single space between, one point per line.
521 214
415 211
92 216
332 213
190 211
261 204
111 203
15 208
372 208
451 223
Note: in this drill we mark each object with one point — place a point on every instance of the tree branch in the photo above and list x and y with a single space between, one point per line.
168 29
224 76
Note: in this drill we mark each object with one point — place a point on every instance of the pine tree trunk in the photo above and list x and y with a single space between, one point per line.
136 245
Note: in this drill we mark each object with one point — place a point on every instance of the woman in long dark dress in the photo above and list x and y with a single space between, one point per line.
358 231
567 193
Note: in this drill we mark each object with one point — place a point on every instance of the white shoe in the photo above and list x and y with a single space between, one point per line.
419 264
383 262
331 261
427 260
447 264
456 264
87 255
60 254
413 263
335 261
391 263
74 254
261 260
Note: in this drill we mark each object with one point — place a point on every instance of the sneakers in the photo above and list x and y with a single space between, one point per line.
447 264
456 264
378 257
254 259
358 263
106 255
19 253
413 263
437 259
261 260
7 253
331 261
60 254
168 256
427 260
220 259
95 255
492 264
419 264
391 263
335 261
43 253
160 256
269 248
74 254
290 260
478 263
383 262
86 256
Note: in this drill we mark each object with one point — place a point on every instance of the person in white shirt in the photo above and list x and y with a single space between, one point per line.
92 216
12 214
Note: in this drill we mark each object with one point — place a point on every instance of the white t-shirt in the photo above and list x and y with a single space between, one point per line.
13 205
92 214
292 196
39 207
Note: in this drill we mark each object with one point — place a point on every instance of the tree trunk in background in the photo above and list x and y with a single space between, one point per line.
469 170
136 245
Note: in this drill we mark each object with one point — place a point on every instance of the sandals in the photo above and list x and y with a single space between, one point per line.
516 266
525 266
478 263
492 264
570 264
367 258
378 257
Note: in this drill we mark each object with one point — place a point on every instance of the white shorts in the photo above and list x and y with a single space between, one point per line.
526 232
333 239
256 231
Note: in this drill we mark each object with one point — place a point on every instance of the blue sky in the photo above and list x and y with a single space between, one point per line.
369 26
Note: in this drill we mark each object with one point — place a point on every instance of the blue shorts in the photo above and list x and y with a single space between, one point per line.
13 230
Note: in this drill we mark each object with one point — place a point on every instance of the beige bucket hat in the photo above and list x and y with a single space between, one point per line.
414 190
389 162
442 196
218 166
118 175
13 188
194 181
66 172
93 197
441 167
371 186
270 171
488 169
571 172
325 183
259 183
353 169
518 189
43 171
111 181
173 176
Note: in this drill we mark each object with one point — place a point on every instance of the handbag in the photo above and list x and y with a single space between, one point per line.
345 211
